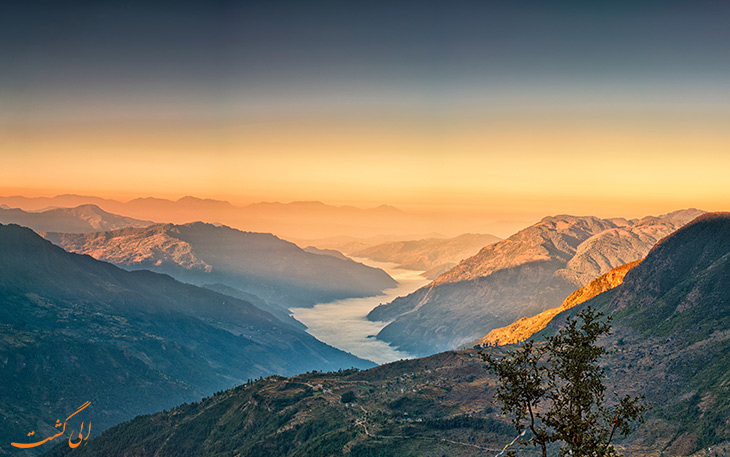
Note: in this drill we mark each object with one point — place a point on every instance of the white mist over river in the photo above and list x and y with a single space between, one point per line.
344 325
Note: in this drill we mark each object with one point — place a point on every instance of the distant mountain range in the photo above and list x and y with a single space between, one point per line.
670 342
349 244
523 275
432 255
306 219
73 329
278 272
80 219
330 252
293 220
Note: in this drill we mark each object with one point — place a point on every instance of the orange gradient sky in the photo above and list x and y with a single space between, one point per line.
598 165
488 107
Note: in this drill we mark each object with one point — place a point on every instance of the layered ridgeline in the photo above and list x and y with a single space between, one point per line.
432 255
524 328
303 219
277 271
75 329
523 275
671 341
81 219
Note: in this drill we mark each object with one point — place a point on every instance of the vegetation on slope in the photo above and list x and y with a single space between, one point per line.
524 328
75 329
523 275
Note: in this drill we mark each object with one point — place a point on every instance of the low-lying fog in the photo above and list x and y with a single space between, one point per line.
343 323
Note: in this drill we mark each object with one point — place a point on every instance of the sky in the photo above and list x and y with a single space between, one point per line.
511 108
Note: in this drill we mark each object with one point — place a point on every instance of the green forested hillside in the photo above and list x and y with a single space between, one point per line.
434 406
671 317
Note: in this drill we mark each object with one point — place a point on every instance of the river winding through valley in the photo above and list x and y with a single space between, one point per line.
344 325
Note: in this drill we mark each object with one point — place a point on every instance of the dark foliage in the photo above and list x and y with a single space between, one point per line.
556 390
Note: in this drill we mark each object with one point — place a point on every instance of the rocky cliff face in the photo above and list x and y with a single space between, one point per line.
523 275
553 238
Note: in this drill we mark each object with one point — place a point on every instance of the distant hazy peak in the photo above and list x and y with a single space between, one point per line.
683 216
79 219
191 199
433 255
321 206
554 237
308 203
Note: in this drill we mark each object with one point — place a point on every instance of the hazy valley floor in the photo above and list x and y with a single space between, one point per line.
343 323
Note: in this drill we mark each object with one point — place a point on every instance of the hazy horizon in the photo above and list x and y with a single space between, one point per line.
511 111
288 219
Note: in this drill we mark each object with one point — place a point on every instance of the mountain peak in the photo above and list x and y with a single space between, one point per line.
553 238
683 216
261 264
309 204
523 275
79 219
188 199
13 236
89 208
388 209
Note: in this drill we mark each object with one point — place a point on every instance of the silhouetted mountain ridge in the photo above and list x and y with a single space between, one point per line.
292 220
